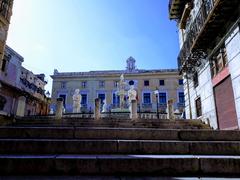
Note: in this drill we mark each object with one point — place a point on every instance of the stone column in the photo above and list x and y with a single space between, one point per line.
97 114
59 109
133 113
21 106
170 112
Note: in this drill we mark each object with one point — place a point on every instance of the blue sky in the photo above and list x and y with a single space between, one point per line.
83 35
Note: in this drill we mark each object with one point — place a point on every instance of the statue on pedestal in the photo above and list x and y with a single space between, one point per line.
76 101
104 109
121 90
132 95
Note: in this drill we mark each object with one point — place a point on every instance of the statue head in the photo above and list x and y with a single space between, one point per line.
132 87
76 91
122 77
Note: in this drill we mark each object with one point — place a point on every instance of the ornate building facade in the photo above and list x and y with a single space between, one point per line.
5 16
104 85
209 59
17 83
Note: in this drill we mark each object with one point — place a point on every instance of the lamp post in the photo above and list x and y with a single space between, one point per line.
156 94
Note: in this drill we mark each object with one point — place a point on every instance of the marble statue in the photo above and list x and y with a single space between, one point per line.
76 101
51 111
132 95
121 90
104 109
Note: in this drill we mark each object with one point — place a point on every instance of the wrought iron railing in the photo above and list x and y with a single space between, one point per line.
194 29
114 106
180 104
147 105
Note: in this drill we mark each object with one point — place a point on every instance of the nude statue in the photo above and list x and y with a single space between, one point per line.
76 101
104 109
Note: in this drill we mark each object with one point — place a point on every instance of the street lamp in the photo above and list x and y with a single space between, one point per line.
156 94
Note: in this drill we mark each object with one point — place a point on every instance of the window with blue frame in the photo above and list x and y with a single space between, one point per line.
181 97
180 82
146 98
163 98
116 99
84 99
101 97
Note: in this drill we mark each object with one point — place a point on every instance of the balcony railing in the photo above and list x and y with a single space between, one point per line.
114 106
194 29
147 105
180 104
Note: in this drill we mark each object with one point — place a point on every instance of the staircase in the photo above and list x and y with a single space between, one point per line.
117 147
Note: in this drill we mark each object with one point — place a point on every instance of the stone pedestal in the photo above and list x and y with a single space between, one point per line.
21 106
97 114
170 110
133 113
59 109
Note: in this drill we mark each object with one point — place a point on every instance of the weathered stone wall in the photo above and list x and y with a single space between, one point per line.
204 90
233 53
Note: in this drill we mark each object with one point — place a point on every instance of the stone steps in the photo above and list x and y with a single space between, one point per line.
118 147
70 146
164 165
164 124
117 133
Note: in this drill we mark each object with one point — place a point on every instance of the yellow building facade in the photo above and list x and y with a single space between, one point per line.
103 85
5 16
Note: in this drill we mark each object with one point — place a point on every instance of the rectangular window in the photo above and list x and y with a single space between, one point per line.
115 83
116 98
63 96
84 84
101 97
180 82
101 84
181 97
218 61
163 98
63 85
161 82
146 83
195 79
198 107
84 99
146 98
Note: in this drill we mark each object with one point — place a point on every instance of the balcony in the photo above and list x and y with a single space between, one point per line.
185 15
176 8
147 105
180 104
212 20
115 106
